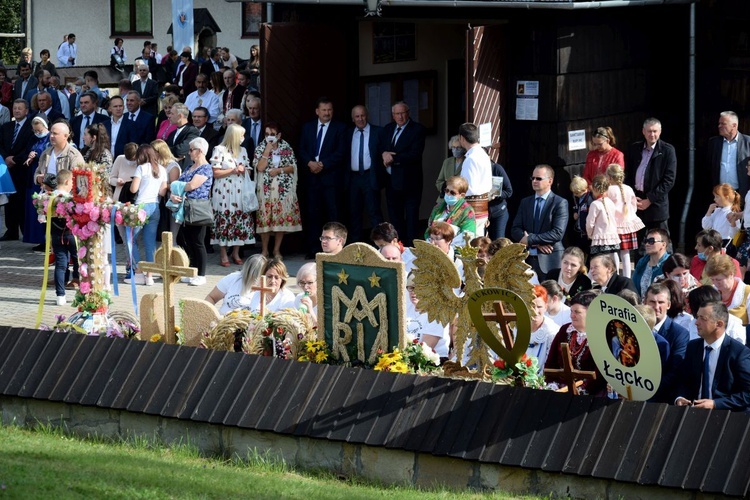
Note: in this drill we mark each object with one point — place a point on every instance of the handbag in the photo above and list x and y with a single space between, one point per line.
249 198
125 195
198 212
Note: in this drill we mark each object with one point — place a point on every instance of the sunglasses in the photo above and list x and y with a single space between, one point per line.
651 241
538 178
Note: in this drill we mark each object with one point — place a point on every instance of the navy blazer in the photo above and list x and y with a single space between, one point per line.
77 121
331 152
715 145
145 127
20 150
30 88
126 134
678 338
554 221
181 145
659 180
731 385
406 170
352 137
150 96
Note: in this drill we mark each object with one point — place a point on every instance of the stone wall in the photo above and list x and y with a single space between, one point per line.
378 464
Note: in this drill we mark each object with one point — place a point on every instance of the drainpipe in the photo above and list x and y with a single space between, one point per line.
269 12
691 131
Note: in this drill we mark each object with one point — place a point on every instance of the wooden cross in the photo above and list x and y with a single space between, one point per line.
172 263
262 288
503 318
569 374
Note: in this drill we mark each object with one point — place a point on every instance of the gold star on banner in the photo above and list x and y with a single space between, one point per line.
374 280
359 256
343 277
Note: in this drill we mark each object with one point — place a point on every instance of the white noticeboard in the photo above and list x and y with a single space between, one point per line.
576 140
485 135
527 100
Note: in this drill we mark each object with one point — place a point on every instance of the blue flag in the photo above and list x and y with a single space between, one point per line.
182 24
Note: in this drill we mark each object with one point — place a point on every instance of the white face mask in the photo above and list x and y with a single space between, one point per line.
271 138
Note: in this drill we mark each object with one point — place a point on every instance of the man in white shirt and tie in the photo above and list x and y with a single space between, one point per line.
364 188
253 124
477 170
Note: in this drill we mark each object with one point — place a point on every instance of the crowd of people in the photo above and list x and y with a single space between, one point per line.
184 133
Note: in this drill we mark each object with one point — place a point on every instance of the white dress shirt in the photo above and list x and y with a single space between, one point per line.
356 138
477 170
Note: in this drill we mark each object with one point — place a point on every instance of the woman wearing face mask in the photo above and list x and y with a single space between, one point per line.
451 165
708 243
33 231
454 210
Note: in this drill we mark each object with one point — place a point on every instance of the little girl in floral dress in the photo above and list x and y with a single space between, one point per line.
628 223
601 225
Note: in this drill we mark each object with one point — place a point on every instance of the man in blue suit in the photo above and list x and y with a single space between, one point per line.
716 370
660 299
401 148
541 222
88 103
362 174
120 130
321 157
145 123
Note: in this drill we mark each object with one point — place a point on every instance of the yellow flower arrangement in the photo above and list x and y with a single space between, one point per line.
315 351
392 362
155 337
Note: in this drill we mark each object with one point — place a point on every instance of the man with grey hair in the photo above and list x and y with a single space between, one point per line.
728 154
179 140
145 124
651 169
146 87
44 103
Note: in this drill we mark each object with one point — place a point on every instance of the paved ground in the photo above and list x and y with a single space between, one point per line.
22 273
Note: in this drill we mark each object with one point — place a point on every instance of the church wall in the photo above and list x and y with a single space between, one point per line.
90 21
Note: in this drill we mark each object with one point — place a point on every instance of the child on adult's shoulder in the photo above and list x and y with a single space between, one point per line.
582 199
719 215
63 241
601 226
628 222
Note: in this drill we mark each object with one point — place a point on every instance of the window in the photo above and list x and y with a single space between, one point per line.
131 17
253 14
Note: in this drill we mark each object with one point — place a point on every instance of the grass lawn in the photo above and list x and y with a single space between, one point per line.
44 463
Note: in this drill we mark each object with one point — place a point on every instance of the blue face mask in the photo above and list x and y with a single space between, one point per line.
450 199
458 152
702 256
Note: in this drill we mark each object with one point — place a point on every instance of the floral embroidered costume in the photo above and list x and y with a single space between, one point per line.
278 209
460 216
232 226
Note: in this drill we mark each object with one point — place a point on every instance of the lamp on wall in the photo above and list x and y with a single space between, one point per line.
372 8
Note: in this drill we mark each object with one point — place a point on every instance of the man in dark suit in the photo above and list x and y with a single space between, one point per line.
232 98
148 89
321 156
728 154
120 130
716 370
362 172
44 103
651 169
15 142
541 222
660 299
26 82
179 140
401 148
213 64
88 104
145 123
253 124
205 130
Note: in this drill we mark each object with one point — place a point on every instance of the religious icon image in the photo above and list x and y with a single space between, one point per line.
623 343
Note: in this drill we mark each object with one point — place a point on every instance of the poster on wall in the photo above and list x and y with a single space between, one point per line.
576 140
527 100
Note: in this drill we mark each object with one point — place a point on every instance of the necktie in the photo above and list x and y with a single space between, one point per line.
15 133
538 213
361 150
705 383
395 137
85 126
132 116
319 140
254 133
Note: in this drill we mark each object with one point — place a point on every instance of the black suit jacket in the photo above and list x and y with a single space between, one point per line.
581 283
213 138
33 83
180 146
20 150
731 385
53 116
659 180
406 170
207 68
237 94
126 134
331 153
145 127
375 173
150 96
715 145
554 221
75 125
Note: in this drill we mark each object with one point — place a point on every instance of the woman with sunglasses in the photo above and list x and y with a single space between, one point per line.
453 209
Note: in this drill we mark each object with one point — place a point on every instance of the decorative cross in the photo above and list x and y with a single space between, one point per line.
262 288
569 374
172 263
504 319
